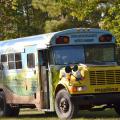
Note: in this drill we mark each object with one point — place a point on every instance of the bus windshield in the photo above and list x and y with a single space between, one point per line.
99 54
90 54
68 54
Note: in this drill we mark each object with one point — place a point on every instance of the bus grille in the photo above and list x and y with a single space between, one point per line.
104 77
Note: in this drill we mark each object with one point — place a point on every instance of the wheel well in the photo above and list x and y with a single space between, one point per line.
1 90
59 87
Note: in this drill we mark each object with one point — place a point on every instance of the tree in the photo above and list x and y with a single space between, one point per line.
19 19
7 27
111 19
64 14
28 17
59 17
32 20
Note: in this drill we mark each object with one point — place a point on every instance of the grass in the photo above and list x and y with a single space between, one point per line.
83 115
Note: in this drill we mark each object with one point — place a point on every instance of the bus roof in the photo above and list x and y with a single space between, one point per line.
44 39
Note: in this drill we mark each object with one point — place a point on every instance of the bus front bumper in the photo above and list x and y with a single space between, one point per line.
96 99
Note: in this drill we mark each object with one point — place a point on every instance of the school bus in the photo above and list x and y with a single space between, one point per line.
65 71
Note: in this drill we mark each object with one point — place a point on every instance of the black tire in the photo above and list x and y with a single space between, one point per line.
64 107
5 109
13 111
117 109
2 105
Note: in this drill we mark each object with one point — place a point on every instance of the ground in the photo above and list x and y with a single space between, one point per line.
29 114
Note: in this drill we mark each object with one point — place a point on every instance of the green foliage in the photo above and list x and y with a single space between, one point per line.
49 6
56 15
19 18
63 14
28 17
111 20
6 19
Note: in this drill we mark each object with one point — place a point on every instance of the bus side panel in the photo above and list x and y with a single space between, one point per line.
21 85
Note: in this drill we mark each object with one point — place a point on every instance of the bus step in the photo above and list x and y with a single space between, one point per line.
100 108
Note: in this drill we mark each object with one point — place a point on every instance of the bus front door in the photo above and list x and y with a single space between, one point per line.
43 79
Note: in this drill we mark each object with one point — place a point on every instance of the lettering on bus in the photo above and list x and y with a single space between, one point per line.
102 90
83 35
84 40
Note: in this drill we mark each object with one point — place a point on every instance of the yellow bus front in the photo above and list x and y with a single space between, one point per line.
88 71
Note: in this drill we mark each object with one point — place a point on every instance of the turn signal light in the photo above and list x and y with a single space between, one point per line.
77 88
105 38
62 40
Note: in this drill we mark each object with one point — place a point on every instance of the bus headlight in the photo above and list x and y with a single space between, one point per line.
82 88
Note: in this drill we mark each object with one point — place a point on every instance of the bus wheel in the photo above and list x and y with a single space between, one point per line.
13 111
5 109
117 109
2 104
64 107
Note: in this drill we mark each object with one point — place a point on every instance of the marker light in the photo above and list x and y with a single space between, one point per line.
105 38
62 40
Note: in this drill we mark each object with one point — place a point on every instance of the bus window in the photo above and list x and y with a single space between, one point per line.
11 61
31 60
68 55
14 61
3 58
18 61
43 57
99 53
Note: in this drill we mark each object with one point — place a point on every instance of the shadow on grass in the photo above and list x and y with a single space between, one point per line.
83 115
106 114
38 115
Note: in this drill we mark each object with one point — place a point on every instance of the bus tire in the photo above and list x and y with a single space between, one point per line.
64 107
13 111
6 109
3 106
117 109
